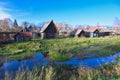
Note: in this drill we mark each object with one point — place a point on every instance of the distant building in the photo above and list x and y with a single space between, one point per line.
23 35
78 33
49 31
105 32
35 32
92 32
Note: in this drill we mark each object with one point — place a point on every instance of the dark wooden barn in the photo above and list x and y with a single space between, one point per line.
49 31
78 33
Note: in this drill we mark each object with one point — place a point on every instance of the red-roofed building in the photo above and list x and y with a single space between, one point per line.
23 35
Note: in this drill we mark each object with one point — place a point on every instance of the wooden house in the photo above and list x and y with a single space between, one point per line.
23 35
35 31
78 33
105 32
92 32
49 31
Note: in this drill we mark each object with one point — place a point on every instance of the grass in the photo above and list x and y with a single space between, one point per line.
17 51
68 72
61 49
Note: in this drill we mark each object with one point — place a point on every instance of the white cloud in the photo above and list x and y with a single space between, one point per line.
4 11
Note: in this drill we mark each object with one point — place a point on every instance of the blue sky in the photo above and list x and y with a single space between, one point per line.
73 12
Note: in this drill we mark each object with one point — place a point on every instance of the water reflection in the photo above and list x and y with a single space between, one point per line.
38 60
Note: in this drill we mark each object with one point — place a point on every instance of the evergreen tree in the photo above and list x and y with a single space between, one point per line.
15 23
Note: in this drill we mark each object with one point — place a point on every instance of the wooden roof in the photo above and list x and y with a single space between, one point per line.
44 27
76 32
90 30
105 30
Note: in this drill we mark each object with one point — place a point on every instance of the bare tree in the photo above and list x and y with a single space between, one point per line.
4 25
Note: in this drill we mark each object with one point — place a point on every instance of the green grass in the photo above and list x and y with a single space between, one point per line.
59 57
61 49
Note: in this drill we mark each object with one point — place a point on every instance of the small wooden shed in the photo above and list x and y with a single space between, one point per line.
78 33
49 31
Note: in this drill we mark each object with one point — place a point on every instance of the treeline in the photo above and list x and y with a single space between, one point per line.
7 25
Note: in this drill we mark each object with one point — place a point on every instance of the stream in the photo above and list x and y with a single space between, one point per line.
38 60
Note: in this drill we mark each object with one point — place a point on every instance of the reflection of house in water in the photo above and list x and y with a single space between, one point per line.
49 31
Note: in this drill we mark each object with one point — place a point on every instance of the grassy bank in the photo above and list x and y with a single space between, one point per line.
64 49
61 49
17 51
67 72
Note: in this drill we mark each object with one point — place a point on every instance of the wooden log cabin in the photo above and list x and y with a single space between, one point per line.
78 33
49 31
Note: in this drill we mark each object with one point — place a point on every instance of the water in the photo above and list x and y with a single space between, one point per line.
38 60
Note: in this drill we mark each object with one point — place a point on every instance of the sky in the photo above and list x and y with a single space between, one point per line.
74 12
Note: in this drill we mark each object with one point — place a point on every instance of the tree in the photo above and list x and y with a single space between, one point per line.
4 25
15 24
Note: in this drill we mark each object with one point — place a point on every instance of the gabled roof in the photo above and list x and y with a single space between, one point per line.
78 31
33 29
44 27
18 29
90 30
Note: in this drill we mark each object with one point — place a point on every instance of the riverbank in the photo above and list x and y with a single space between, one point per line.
39 61
61 49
